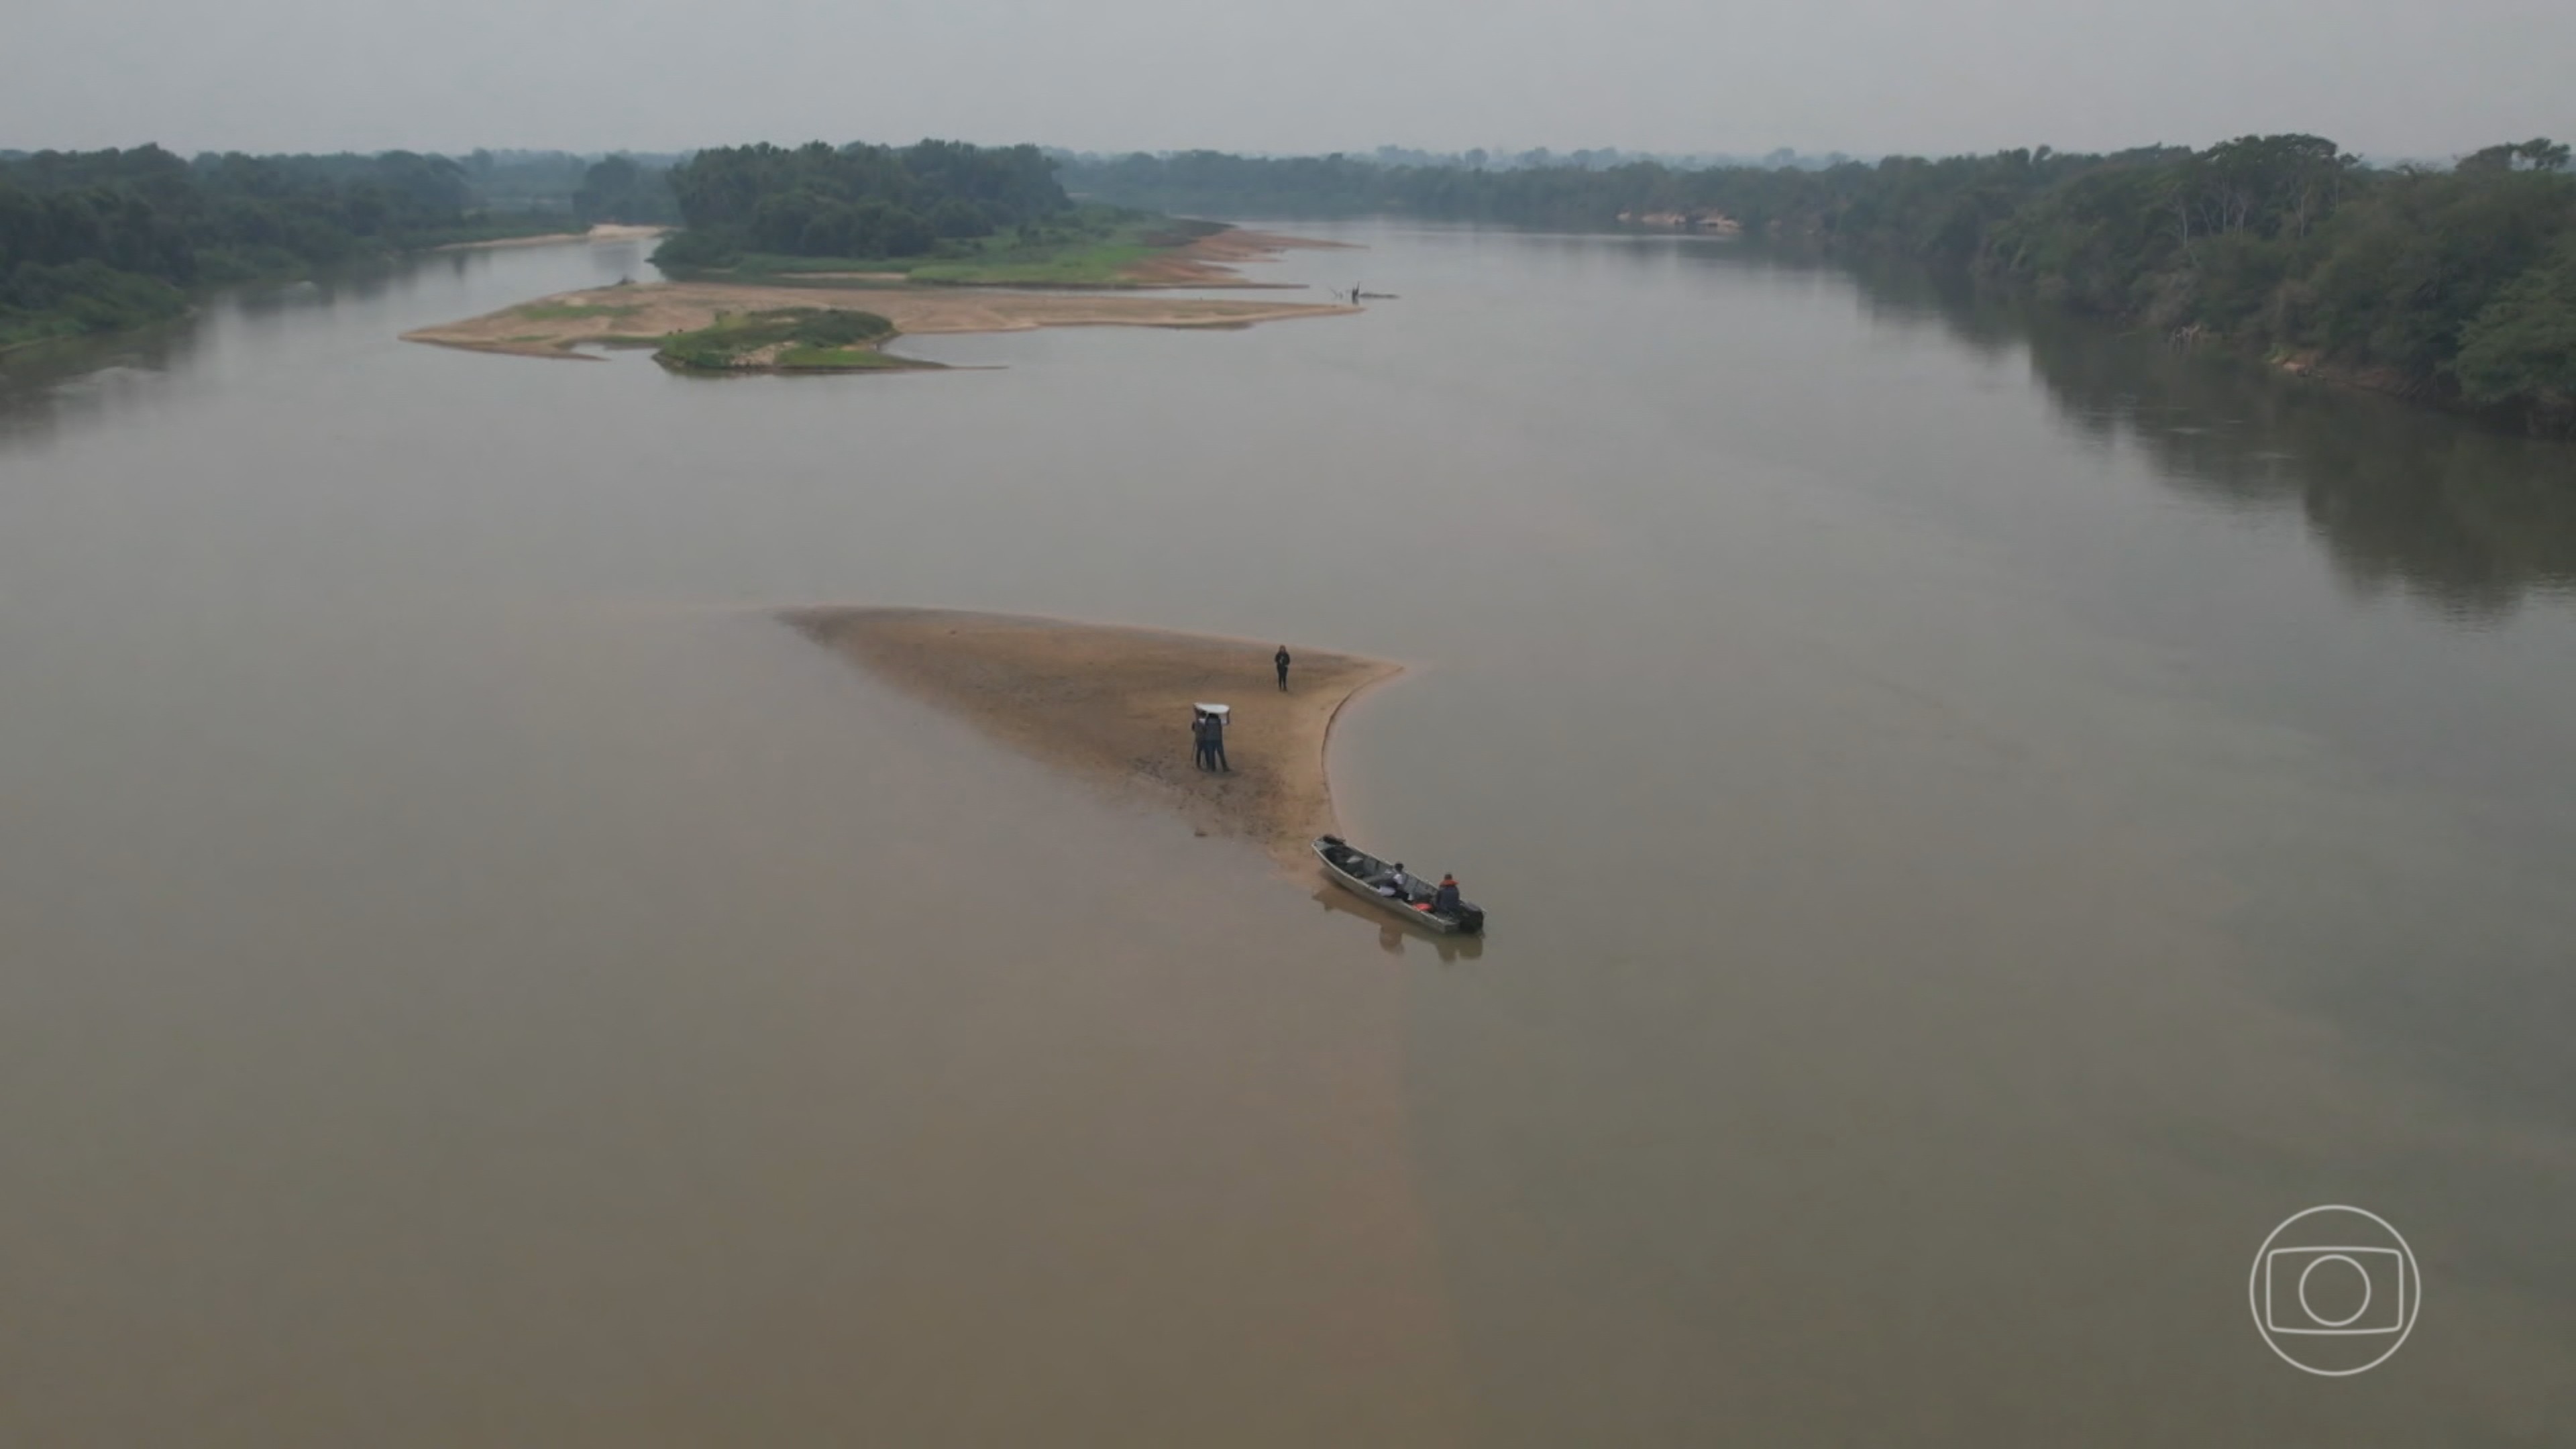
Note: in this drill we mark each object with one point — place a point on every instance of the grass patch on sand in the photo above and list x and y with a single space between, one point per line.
1091 246
1102 265
785 339
823 274
836 359
559 311
1095 247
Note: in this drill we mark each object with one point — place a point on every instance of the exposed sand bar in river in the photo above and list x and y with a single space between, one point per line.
642 315
1114 703
1211 260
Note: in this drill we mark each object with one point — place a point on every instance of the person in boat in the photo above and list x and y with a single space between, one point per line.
1445 900
1398 885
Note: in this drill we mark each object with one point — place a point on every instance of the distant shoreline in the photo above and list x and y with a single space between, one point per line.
194 299
604 232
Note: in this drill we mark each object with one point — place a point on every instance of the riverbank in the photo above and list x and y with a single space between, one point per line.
645 314
2285 241
604 232
91 301
1210 261
1112 704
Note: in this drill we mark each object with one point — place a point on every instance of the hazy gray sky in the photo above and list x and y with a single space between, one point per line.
2387 77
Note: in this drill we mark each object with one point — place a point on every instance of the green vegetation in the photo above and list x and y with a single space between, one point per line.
837 359
1093 251
576 190
1100 266
39 302
2449 285
2522 345
558 311
620 189
940 211
1087 246
854 201
102 240
771 267
789 339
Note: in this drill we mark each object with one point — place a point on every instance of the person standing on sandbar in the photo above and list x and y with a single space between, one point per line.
1281 660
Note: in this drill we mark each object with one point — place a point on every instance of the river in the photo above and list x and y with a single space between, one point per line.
1983 817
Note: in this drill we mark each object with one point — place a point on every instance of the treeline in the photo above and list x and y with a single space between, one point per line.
2454 284
859 200
624 187
1480 158
95 241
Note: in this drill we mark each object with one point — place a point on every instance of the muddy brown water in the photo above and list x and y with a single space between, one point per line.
1982 818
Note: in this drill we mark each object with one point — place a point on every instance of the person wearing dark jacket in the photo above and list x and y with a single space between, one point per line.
1216 743
1281 660
1445 900
1203 733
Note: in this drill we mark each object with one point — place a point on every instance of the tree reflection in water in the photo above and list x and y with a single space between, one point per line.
2458 514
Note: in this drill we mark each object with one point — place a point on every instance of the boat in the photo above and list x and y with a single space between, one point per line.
1362 874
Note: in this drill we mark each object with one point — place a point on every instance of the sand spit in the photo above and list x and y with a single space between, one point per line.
1211 260
1113 704
642 314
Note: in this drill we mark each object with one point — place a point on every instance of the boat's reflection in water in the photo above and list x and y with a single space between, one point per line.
1392 934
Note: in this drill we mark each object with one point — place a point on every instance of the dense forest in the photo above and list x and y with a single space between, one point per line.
624 187
859 200
100 240
2448 284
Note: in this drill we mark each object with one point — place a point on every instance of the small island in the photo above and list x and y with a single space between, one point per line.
940 212
786 339
937 237
660 315
1112 705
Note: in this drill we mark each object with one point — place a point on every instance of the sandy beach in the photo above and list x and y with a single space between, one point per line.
644 313
1211 260
1113 704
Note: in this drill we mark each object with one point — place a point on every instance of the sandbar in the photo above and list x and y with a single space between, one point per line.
1112 705
1210 261
642 314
